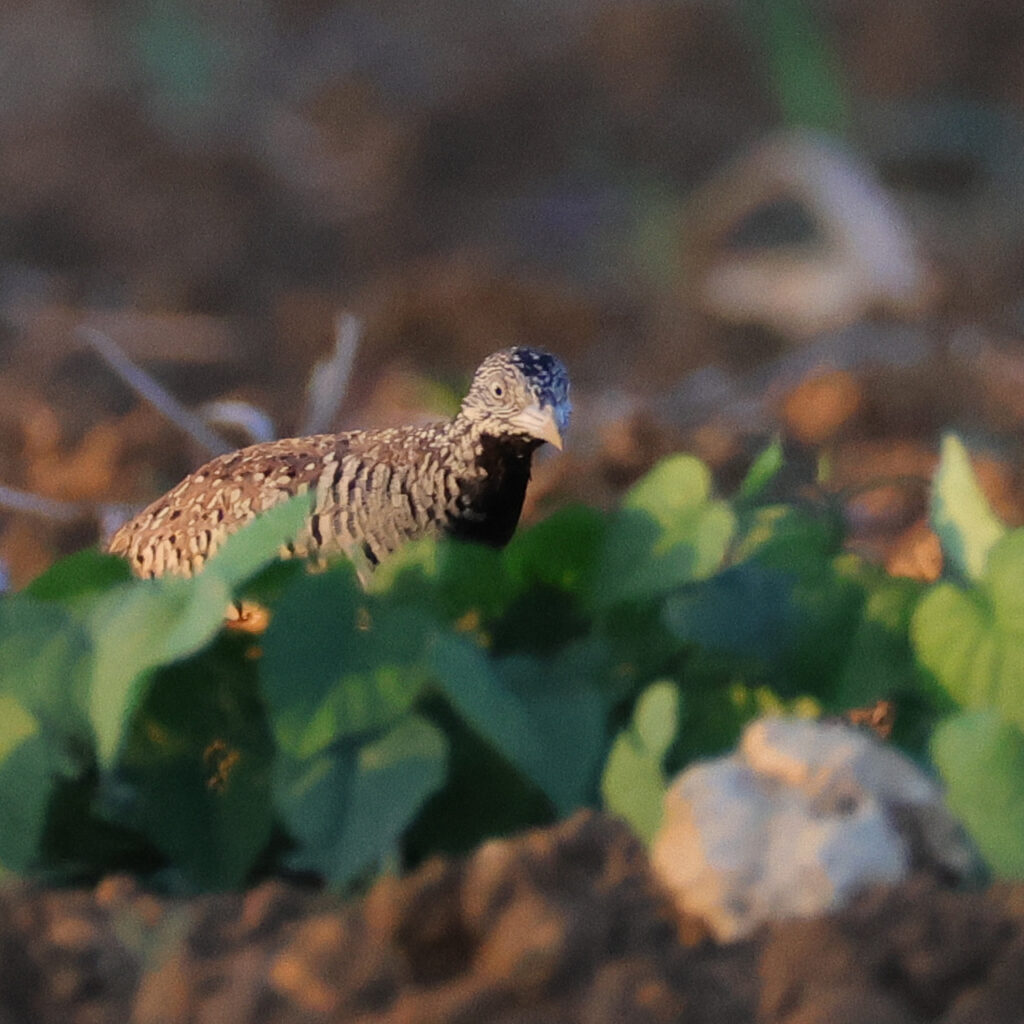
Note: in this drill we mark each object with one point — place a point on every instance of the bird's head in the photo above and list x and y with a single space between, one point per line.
520 392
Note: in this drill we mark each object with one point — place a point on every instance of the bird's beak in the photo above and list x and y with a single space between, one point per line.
539 422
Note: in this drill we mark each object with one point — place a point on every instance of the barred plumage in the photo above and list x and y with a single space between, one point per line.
372 490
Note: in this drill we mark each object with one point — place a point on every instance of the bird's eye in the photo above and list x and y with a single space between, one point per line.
497 390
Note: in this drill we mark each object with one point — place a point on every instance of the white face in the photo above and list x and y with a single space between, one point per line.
521 391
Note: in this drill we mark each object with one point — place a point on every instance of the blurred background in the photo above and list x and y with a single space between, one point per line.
731 218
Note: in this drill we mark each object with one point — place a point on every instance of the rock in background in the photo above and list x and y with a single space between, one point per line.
800 818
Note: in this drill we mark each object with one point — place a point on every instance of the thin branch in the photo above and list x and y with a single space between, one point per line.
153 392
36 505
244 416
329 379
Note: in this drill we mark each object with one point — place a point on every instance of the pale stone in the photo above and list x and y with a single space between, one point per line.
799 819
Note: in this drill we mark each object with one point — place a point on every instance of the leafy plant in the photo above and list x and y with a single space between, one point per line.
469 691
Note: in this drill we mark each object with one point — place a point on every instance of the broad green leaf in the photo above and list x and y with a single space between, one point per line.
558 551
981 759
198 758
471 683
311 632
336 663
472 579
347 807
667 532
485 795
408 573
762 472
633 786
881 663
392 779
633 783
521 705
972 641
449 578
675 486
30 765
138 627
789 628
960 512
1003 582
747 610
567 713
656 717
16 725
83 574
45 663
788 538
44 731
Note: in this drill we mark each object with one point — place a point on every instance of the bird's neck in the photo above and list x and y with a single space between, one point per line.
494 486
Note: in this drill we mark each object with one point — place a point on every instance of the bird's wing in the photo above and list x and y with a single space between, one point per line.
178 531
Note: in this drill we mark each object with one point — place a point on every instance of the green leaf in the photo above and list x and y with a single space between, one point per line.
971 640
656 718
633 783
80 575
668 531
449 578
138 627
336 663
44 732
882 663
762 472
521 707
558 551
30 765
472 578
142 625
981 759
788 538
471 683
567 714
198 759
410 573
347 808
747 610
1002 582
791 629
960 512
45 662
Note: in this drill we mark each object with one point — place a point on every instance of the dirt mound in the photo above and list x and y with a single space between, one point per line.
559 925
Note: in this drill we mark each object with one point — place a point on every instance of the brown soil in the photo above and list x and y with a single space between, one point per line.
564 924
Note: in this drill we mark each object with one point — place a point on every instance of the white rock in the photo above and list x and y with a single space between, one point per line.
800 818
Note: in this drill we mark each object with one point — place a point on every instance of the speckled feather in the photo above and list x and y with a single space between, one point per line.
371 490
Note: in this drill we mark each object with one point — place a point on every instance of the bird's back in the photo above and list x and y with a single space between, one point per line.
370 491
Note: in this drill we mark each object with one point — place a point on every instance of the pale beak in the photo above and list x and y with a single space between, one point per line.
539 422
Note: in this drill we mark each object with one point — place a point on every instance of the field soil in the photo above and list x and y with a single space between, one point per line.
560 924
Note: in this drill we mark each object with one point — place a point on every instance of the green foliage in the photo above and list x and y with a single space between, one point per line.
633 784
763 470
972 640
981 757
668 531
468 692
348 804
196 761
960 513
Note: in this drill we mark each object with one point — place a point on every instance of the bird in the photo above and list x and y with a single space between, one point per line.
371 491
